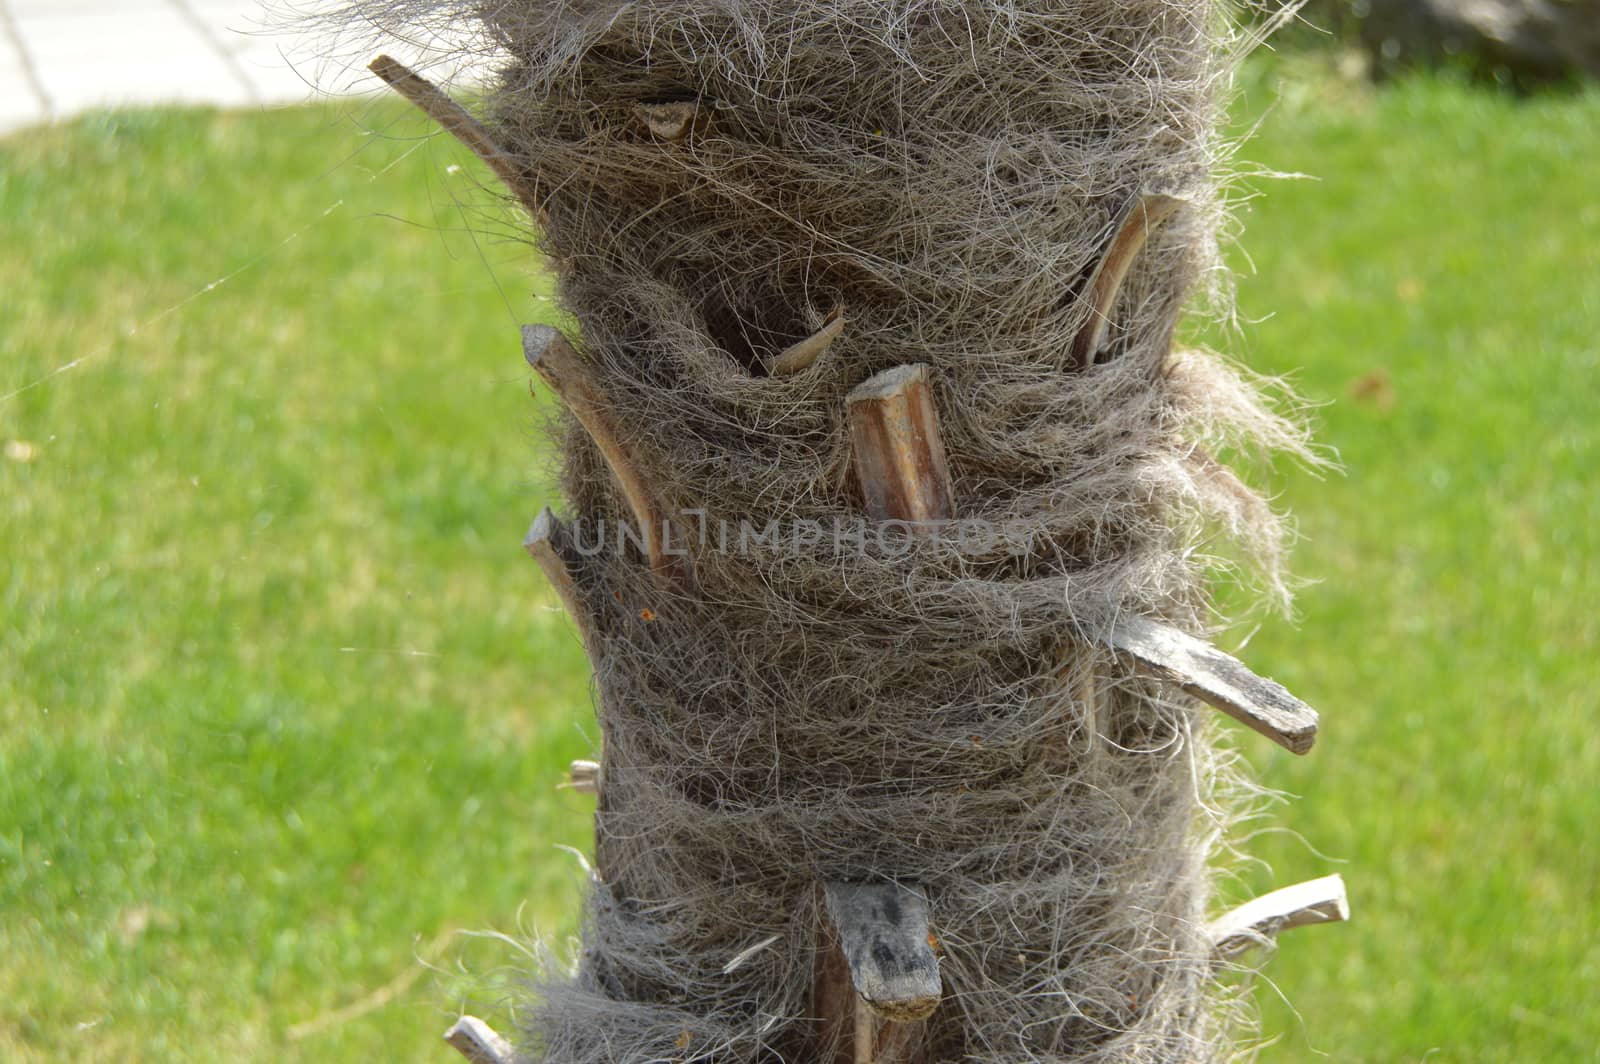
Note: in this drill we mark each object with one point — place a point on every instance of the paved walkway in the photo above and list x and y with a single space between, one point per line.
59 57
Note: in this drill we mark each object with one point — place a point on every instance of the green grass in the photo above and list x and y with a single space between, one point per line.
1439 286
281 701
281 704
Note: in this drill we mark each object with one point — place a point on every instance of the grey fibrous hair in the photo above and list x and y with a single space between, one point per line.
948 172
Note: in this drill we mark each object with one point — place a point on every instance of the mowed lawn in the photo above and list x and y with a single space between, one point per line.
283 707
282 702
1438 286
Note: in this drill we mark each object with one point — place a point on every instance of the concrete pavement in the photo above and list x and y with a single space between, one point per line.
60 57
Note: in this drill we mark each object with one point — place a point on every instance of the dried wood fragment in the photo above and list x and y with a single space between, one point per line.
1141 216
459 123
1218 679
1316 901
799 356
899 452
478 1042
744 956
584 777
667 121
543 545
559 366
883 930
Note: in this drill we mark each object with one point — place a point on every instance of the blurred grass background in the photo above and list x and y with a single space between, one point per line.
282 706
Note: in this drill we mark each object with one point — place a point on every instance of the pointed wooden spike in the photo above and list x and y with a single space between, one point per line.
543 546
1217 679
558 365
459 123
899 452
799 356
1142 215
883 930
667 121
478 1042
1317 901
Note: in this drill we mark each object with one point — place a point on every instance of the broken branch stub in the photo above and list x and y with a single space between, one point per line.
1316 901
558 365
543 544
1218 679
883 931
459 123
899 452
584 777
1140 217
478 1042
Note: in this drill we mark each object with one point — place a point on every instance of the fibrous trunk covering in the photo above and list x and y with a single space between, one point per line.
800 698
